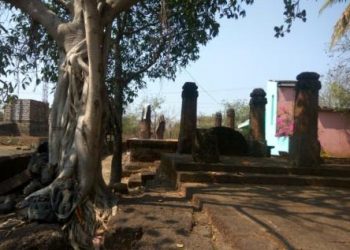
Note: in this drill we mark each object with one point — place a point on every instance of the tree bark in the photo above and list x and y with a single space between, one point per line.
78 195
117 165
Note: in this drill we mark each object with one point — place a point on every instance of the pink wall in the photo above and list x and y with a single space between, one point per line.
334 133
333 126
285 109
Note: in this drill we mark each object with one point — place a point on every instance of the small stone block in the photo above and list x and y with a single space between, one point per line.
135 180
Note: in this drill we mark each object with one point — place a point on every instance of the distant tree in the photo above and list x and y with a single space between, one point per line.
335 92
241 108
205 121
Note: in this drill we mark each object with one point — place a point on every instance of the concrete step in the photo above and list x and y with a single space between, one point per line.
260 179
330 171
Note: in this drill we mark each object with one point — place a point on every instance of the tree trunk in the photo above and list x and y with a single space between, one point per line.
75 134
116 167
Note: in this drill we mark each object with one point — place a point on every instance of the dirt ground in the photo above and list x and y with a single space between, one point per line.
217 217
152 217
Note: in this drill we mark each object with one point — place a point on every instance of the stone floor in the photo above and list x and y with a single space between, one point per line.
232 217
276 217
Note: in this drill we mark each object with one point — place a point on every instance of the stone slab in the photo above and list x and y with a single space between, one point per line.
277 217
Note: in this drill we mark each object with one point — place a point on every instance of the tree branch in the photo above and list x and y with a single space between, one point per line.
155 56
41 14
114 7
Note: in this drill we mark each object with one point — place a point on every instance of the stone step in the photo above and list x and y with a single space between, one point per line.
260 179
330 171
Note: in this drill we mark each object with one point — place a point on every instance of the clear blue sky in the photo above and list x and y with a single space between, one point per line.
245 55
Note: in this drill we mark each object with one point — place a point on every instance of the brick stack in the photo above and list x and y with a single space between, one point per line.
30 116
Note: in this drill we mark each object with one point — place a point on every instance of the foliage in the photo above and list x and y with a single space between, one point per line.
241 108
205 121
342 25
292 11
27 55
336 89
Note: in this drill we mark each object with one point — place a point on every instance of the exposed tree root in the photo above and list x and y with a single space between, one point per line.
78 198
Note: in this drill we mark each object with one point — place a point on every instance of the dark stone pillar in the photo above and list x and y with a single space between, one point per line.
257 139
218 119
230 118
257 115
188 123
145 123
160 128
304 144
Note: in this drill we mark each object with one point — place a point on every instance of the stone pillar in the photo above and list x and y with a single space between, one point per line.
218 119
160 128
257 115
188 123
257 141
230 118
145 123
304 144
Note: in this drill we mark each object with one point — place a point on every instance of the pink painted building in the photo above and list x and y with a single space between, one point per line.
333 126
334 132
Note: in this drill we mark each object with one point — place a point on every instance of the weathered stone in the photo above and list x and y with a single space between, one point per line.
257 122
150 150
160 128
8 204
14 182
230 142
218 119
230 118
135 180
257 114
188 123
145 123
205 147
304 144
147 176
121 188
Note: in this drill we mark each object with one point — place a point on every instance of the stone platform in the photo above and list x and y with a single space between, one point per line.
148 150
13 163
249 170
274 217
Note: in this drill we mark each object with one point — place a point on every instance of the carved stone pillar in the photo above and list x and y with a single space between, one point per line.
188 123
160 128
304 144
230 118
218 119
257 115
257 139
145 123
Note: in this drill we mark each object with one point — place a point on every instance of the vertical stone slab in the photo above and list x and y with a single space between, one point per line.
218 119
257 139
257 115
160 128
145 123
230 118
188 123
304 144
